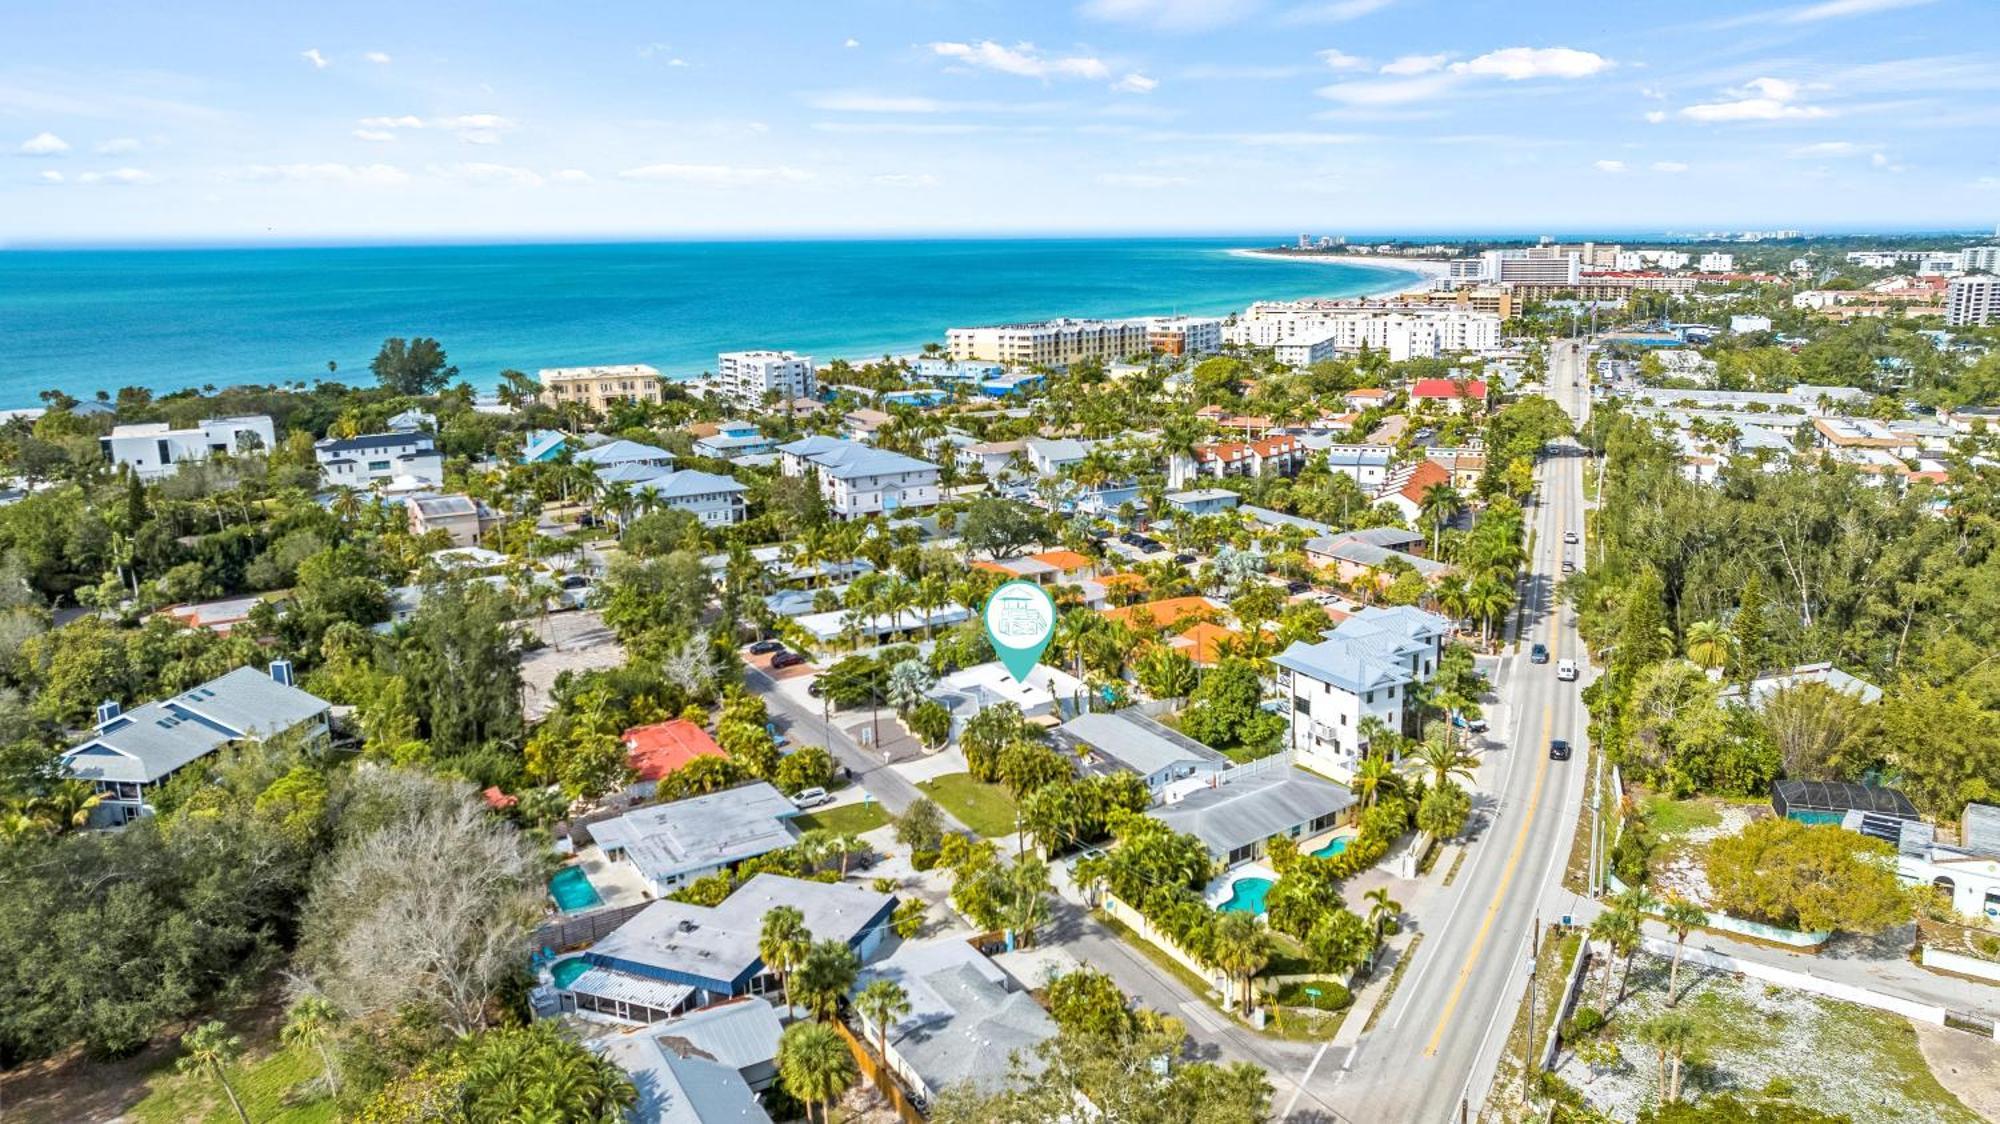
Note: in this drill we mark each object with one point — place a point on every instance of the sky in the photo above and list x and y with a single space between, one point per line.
125 122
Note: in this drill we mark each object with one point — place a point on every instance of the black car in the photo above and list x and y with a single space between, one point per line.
1132 538
1558 750
1298 587
1185 559
813 688
766 647
1538 653
787 659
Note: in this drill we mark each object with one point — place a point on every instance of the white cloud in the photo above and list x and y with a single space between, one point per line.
1609 165
43 144
573 175
1139 180
473 121
117 146
1395 91
472 128
119 177
1655 116
1414 64
1136 84
1841 9
378 136
1669 166
851 43
1171 15
318 61
375 175
714 175
1341 60
1828 148
862 101
1340 11
404 122
380 58
502 174
1207 70
905 179
50 176
1761 99
1517 63
1021 59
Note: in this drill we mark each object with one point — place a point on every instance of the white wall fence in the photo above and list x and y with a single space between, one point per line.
1961 964
1578 969
1279 760
1800 981
1723 923
1130 917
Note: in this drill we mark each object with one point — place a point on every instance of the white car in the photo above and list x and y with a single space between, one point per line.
811 798
1569 536
1566 670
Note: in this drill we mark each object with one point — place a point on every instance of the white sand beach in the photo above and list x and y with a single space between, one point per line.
1428 268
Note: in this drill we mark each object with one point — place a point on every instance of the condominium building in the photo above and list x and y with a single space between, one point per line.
1537 265
1972 300
1362 669
1717 263
154 450
1050 343
1404 331
748 378
1183 335
599 387
857 479
1980 259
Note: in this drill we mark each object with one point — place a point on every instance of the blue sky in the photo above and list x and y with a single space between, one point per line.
128 121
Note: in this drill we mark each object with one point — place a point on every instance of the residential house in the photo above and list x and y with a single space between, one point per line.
732 440
990 458
673 957
1279 454
864 424
1237 814
859 480
1366 465
1128 741
658 749
412 420
1405 488
1455 395
1355 555
1367 398
716 501
614 453
968 1024
1204 501
1966 873
402 460
543 446
218 616
460 517
130 754
671 845
155 450
1825 674
703 1068
1363 668
1045 691
1049 456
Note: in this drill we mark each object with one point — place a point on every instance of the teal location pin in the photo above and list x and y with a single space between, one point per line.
1020 620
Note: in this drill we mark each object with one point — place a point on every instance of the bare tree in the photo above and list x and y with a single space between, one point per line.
691 667
431 906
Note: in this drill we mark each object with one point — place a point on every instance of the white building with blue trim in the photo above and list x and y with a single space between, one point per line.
857 479
1363 668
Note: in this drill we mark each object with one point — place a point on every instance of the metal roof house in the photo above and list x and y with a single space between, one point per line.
1236 817
1128 741
131 753
1362 669
1764 686
674 844
966 1021
673 957
704 1068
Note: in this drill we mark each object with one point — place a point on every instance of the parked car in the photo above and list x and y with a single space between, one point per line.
1475 725
1132 538
1558 750
1185 559
1566 670
766 647
1298 587
1538 653
811 798
1569 536
787 659
813 688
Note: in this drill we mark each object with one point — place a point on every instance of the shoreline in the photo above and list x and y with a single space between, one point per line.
1426 269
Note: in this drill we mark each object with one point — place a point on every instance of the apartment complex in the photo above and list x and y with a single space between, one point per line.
1183 335
1403 331
599 387
1362 669
1050 343
406 459
1972 300
155 450
748 378
859 480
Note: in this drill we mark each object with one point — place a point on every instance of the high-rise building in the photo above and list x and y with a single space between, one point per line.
1980 259
1540 265
1183 335
1972 300
747 378
1050 343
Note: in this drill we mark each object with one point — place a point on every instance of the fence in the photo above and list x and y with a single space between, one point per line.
876 1071
578 929
1800 981
1723 923
1961 964
1136 921
1579 969
1279 760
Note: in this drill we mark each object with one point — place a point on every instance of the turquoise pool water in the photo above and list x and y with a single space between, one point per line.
1812 817
572 890
566 971
1331 849
1246 895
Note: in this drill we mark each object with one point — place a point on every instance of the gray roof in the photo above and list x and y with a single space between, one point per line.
1058 449
681 1090
1200 495
370 441
1254 809
742 1033
1347 548
1135 742
149 742
720 943
1341 664
965 1022
444 507
845 460
1765 686
664 840
1280 519
689 483
622 451
1980 829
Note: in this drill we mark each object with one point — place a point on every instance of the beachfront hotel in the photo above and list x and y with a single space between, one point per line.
1049 343
598 387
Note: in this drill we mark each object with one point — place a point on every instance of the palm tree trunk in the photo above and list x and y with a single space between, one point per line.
233 1102
1674 1093
1674 975
332 1081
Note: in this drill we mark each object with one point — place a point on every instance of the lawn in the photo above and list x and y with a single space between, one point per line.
1669 817
847 819
264 1082
987 809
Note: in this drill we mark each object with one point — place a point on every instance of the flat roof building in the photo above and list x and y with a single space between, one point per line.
671 845
598 387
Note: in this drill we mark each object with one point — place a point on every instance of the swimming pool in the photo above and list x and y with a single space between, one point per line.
572 890
1332 848
1246 895
566 971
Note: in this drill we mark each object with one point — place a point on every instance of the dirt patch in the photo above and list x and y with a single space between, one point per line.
1680 869
1966 1064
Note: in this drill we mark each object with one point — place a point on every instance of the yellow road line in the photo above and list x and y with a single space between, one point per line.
1527 820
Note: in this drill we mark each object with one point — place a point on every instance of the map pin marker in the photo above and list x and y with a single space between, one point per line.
1020 620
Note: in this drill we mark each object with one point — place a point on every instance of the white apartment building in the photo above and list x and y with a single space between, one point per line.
1364 668
1537 265
1972 300
153 450
1668 259
1404 331
407 458
1629 261
1304 351
1049 343
747 377
1717 263
857 479
1183 335
1980 259
598 387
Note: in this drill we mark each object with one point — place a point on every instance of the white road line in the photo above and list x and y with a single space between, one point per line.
1193 1013
1300 1089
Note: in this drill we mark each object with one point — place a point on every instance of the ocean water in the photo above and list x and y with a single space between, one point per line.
84 320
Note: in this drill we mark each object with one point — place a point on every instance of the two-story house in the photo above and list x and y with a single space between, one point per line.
407 458
155 450
1361 669
858 480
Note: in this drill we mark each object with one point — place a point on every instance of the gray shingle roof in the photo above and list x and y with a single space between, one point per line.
1254 809
677 1090
965 1023
721 943
664 840
149 742
1136 742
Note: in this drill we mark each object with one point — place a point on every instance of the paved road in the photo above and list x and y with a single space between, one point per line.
1440 1039
802 722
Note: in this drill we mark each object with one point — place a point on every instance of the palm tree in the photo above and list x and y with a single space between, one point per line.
1488 598
67 805
1445 760
1382 909
311 1023
211 1048
1708 644
1618 929
1240 950
1669 1033
815 1065
884 1003
1440 502
825 975
1374 734
1374 777
1682 916
782 944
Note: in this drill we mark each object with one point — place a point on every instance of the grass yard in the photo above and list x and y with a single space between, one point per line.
1669 817
988 809
847 819
264 1082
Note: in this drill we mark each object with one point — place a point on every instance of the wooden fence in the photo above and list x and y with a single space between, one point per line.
877 1072
574 930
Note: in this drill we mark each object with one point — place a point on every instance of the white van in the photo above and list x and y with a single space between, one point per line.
1565 670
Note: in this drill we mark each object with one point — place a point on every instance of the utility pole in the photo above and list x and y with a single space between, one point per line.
1528 1047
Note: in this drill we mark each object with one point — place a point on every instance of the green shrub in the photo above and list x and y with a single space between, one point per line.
1333 995
923 860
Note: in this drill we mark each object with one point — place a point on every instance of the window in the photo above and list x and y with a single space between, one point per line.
1299 704
1371 696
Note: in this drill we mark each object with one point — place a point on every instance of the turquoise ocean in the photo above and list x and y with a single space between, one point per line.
85 320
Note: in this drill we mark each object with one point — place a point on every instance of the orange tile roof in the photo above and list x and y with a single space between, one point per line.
498 800
1065 560
665 747
1422 477
1165 612
1205 641
992 567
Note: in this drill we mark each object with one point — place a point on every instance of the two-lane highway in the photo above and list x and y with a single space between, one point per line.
1440 1039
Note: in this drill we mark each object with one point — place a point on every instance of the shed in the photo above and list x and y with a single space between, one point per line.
1830 801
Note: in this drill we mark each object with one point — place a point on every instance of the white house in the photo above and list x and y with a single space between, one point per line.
1968 872
671 845
717 501
857 480
1048 456
1366 465
1749 323
130 754
733 439
403 459
1046 690
968 1024
1363 668
154 450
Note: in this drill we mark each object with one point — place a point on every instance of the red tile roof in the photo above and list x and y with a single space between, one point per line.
1422 477
498 800
665 747
1445 388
